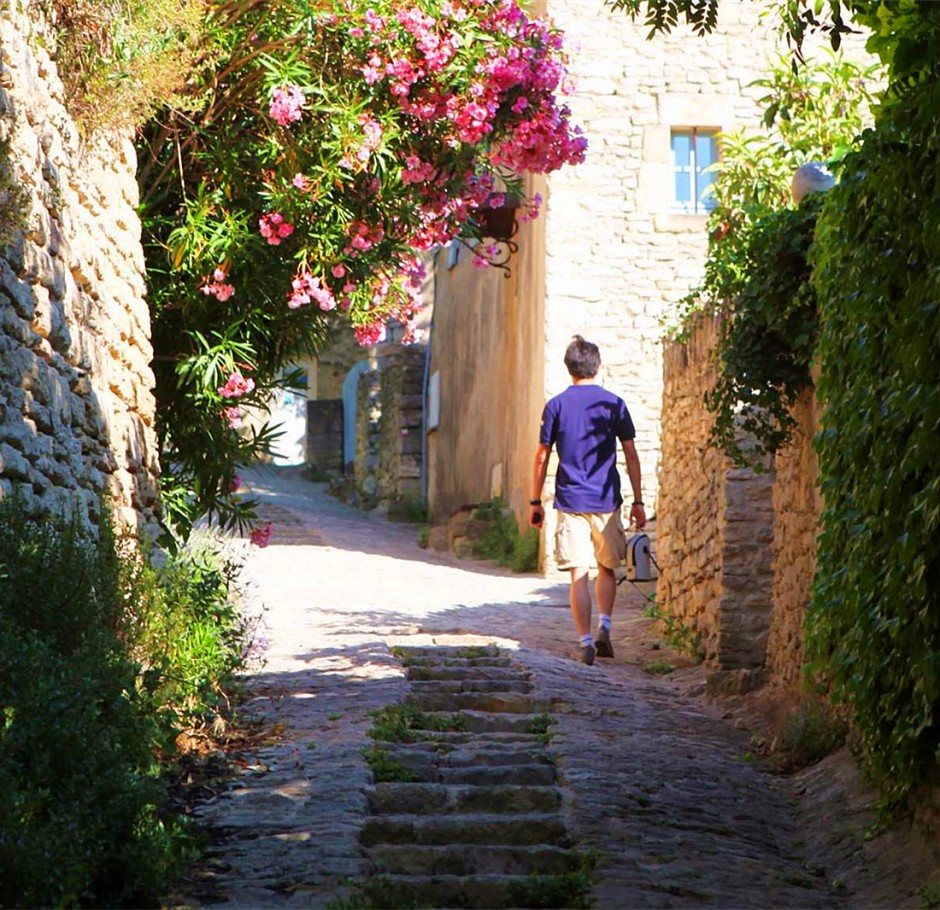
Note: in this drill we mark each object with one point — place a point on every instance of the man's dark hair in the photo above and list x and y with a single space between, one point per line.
582 358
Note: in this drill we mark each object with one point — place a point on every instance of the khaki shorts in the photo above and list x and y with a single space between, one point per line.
585 538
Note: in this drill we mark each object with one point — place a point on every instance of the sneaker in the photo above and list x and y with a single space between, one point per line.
602 643
587 655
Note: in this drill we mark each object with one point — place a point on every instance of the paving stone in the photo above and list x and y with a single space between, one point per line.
649 783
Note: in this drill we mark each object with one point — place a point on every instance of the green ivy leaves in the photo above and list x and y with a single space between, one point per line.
874 626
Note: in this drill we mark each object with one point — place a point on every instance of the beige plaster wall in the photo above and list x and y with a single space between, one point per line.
76 402
486 349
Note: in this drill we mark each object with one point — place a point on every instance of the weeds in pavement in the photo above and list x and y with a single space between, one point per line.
386 769
658 667
540 726
678 635
929 895
408 723
566 890
379 893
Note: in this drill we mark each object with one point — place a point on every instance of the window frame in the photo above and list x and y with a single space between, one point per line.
699 205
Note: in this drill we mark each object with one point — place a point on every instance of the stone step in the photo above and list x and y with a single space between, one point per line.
412 859
451 739
534 775
420 799
431 701
455 686
430 671
476 891
434 660
476 722
534 828
473 750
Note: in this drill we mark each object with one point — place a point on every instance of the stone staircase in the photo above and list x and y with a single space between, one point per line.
466 810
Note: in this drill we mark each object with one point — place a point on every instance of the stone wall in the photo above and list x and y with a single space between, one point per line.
76 402
398 465
715 522
389 420
797 507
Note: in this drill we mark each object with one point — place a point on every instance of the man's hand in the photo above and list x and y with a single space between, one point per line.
536 516
638 515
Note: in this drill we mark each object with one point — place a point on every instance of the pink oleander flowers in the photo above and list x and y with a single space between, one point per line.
436 103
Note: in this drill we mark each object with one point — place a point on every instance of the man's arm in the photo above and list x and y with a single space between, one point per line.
637 510
539 470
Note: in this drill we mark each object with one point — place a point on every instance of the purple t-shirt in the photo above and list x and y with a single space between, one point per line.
585 423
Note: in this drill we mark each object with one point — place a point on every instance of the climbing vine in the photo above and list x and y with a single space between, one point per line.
874 626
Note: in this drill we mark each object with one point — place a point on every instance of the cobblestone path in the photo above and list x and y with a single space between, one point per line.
542 763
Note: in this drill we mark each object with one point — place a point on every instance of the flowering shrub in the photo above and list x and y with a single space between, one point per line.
340 139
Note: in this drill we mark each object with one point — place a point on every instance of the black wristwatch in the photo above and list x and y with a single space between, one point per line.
535 502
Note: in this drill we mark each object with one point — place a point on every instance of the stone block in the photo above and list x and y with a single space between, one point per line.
462 547
439 539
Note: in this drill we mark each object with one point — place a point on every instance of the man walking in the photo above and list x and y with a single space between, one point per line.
584 423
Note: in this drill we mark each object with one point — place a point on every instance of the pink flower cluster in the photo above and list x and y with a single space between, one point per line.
261 535
287 104
502 95
217 287
274 228
237 385
449 96
307 288
362 237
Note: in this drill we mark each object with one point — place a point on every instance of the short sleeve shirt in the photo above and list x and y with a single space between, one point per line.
585 424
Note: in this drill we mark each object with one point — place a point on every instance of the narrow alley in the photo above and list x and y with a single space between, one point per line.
636 785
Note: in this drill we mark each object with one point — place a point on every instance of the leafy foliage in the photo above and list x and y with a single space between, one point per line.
123 59
80 823
756 273
874 625
103 661
767 342
665 15
502 542
322 147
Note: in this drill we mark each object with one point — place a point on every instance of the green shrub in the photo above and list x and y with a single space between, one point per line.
187 627
810 734
410 511
80 823
103 660
501 542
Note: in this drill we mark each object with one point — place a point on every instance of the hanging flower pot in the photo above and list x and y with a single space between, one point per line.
498 221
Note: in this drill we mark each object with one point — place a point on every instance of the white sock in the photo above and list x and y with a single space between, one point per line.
587 641
605 621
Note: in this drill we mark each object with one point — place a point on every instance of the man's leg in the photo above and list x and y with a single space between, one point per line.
605 589
579 596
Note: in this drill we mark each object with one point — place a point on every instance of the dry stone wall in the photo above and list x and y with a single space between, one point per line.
797 508
76 401
715 523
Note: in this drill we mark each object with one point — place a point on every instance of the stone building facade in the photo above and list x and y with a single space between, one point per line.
76 401
614 251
